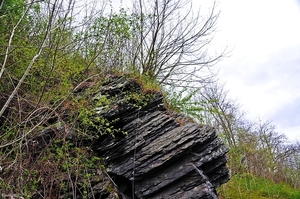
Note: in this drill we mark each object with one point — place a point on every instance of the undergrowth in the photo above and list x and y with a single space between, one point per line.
57 157
247 186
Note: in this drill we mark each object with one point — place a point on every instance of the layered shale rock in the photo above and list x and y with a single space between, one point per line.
118 140
161 157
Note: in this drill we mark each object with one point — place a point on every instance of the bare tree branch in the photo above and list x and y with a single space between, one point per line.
170 42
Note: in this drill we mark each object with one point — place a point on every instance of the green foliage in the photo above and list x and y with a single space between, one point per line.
77 162
90 108
106 41
59 166
247 186
10 13
46 76
92 126
148 84
183 101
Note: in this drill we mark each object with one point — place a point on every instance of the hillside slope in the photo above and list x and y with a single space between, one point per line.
115 139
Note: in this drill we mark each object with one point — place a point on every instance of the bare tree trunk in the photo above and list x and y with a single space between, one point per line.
1 4
11 38
20 82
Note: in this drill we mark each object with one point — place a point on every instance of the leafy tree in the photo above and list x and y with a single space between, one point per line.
105 41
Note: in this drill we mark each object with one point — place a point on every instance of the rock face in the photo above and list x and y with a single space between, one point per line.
161 157
162 154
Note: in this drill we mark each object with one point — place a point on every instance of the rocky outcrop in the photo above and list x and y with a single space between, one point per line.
161 157
147 150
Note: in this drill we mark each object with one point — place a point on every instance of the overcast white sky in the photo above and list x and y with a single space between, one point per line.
263 71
